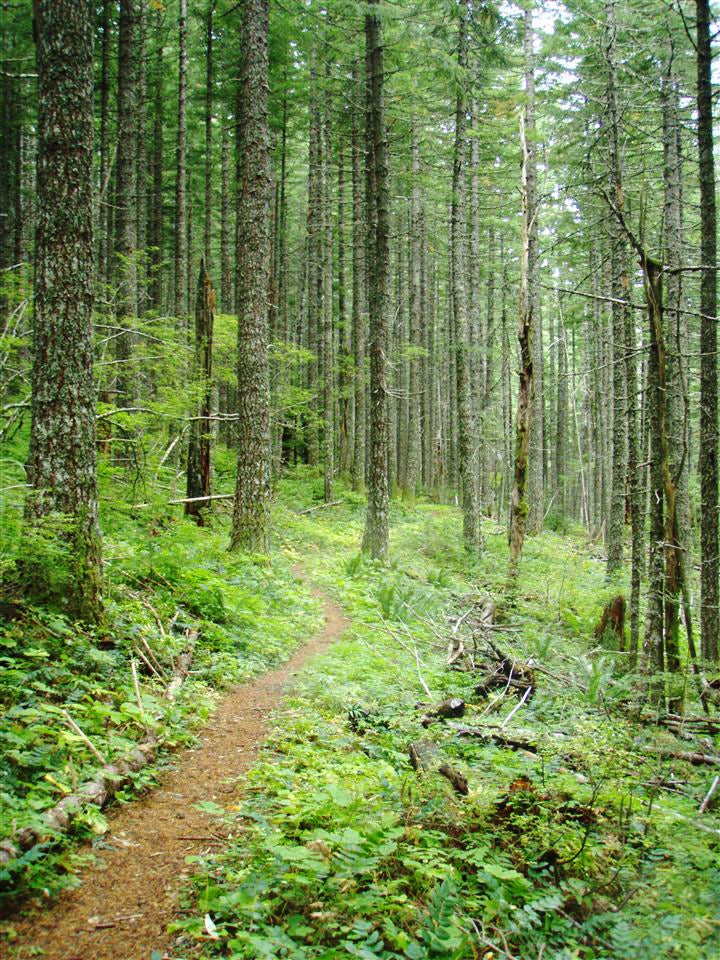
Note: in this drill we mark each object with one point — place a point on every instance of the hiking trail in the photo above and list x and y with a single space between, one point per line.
127 898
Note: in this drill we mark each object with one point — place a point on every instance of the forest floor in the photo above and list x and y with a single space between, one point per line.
127 897
576 828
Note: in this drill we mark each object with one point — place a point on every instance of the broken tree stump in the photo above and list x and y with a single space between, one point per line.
611 626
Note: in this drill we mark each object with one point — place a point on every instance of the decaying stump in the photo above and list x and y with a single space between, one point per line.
611 626
425 757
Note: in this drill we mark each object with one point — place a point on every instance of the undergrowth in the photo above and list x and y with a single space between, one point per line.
586 845
166 580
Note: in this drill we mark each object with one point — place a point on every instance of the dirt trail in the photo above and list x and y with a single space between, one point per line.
125 902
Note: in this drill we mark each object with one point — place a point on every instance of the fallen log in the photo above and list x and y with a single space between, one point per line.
517 741
448 709
688 755
425 757
321 506
96 792
458 781
110 778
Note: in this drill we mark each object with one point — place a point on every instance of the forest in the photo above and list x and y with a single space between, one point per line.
359 505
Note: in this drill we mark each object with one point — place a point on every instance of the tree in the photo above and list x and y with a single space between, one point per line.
708 462
61 465
528 303
125 198
467 441
181 211
251 513
375 536
198 465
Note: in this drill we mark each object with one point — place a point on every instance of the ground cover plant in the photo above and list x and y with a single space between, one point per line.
566 844
74 697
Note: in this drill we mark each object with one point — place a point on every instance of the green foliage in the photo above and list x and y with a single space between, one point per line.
342 849
165 576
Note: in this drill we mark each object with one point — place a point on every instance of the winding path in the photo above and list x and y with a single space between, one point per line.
126 900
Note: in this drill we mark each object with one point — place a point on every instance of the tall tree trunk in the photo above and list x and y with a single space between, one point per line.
104 205
61 465
358 297
326 274
375 537
415 307
467 447
616 522
316 286
709 546
156 215
226 290
535 501
209 81
518 502
181 248
141 157
125 199
251 513
345 397
561 418
198 465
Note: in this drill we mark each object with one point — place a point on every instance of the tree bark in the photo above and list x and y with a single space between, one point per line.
518 503
708 463
226 291
375 537
251 512
467 444
181 247
62 464
616 522
209 81
198 466
358 297
125 200
534 503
